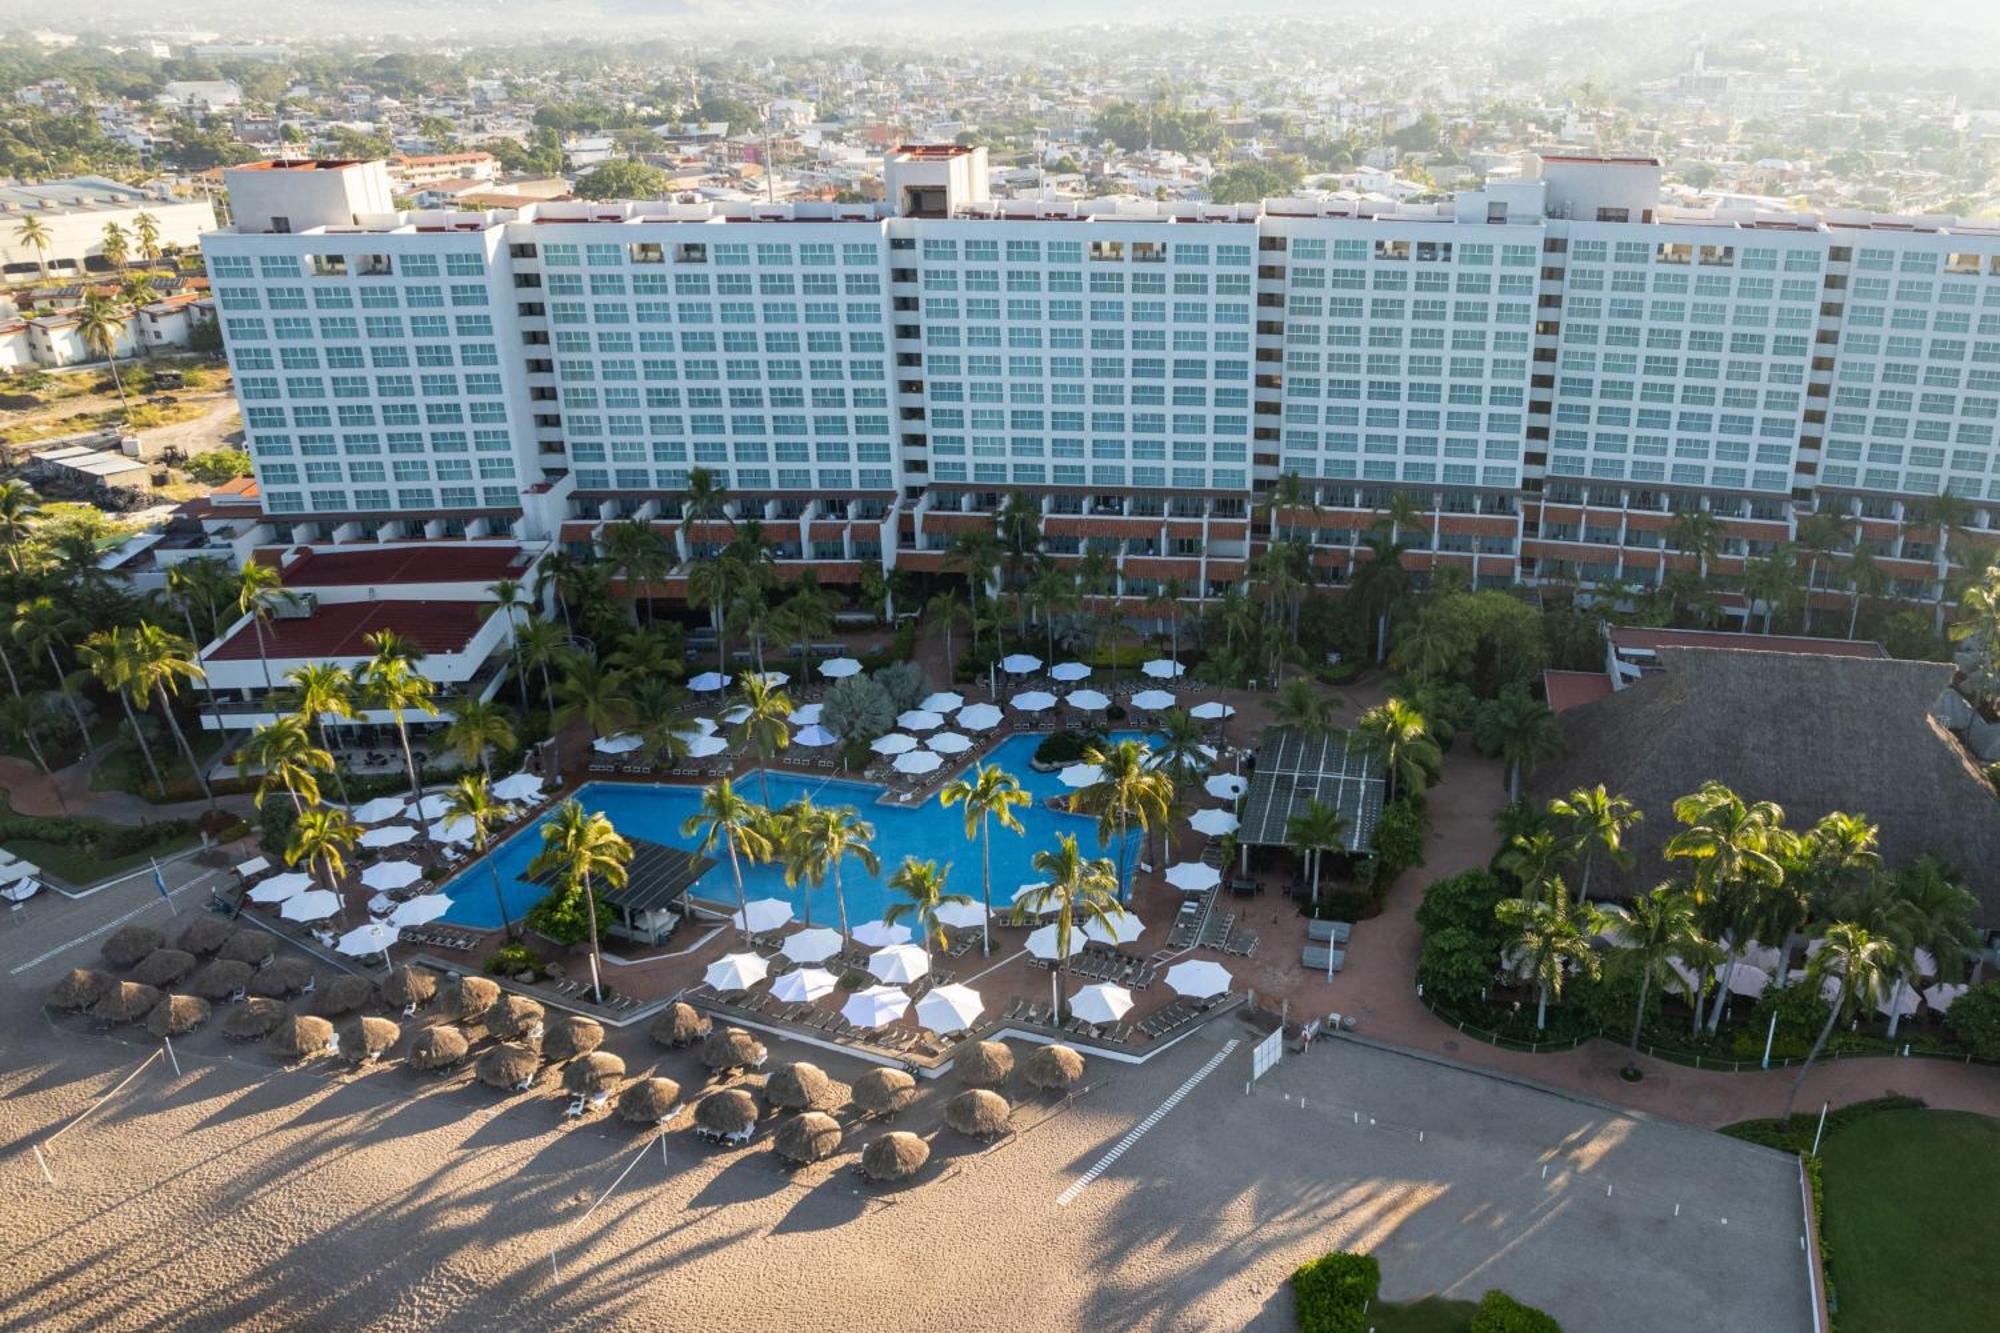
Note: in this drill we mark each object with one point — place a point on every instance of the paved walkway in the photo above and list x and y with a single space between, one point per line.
32 792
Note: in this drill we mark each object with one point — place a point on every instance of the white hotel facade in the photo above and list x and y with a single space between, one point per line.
1551 368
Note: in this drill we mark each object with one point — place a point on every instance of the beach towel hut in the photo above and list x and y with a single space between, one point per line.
883 1091
589 1075
303 1036
897 1155
82 988
438 1048
978 1112
732 1048
801 1087
343 995
285 977
983 1064
368 1039
204 935
125 1002
1054 1068
730 1113
253 1020
516 1018
510 1066
679 1025
220 979
248 946
650 1101
811 1137
472 998
176 1015
128 944
409 987
572 1035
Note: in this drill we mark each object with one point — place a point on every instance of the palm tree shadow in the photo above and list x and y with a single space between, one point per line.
753 1175
839 1199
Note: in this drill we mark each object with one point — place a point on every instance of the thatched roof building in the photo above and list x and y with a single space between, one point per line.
472 998
678 1025
510 1066
177 1014
897 1155
572 1035
248 945
343 995
370 1038
732 1048
730 1111
516 1018
884 1091
125 1002
437 1048
163 967
82 988
282 979
983 1064
800 1086
650 1101
301 1037
1813 733
128 944
812 1136
253 1019
979 1112
410 985
220 979
600 1071
204 935
1053 1068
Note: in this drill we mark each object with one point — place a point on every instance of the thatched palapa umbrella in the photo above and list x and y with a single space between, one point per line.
983 1064
801 1087
472 998
1053 1068
437 1048
369 1038
731 1111
515 1018
679 1025
204 935
284 978
979 1112
650 1101
82 988
408 986
163 967
177 1014
248 946
598 1072
732 1048
884 1091
343 995
897 1155
510 1065
572 1035
253 1019
812 1136
128 944
125 1002
220 978
302 1036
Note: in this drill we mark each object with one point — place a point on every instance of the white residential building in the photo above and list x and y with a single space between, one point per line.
74 212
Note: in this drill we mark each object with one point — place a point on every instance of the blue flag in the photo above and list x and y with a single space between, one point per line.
160 883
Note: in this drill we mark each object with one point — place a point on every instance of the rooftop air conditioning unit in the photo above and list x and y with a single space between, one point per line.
299 606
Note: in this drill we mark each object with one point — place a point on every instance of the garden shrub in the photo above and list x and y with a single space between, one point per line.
1399 842
1801 1014
1066 747
1456 964
1344 904
1797 1136
1465 900
1331 1293
1974 1018
905 684
562 917
513 959
1500 1313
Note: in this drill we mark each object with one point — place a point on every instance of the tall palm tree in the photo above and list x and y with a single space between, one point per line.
1866 581
1131 792
1934 913
1832 855
20 513
1946 512
1729 840
831 834
635 546
1860 965
1650 931
1080 889
1519 729
976 554
41 626
1698 533
544 645
590 692
922 885
161 660
808 615
716 584
583 848
706 498
25 717
285 753
1301 706
101 322
665 735
766 708
1595 819
34 233
323 839
1398 735
259 594
510 599
476 730
737 823
1317 829
117 245
320 691
390 681
146 230
945 609
1820 534
1551 939
471 799
109 656
990 794
1379 584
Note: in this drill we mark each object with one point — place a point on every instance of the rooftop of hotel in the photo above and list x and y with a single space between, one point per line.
391 566
1652 640
340 631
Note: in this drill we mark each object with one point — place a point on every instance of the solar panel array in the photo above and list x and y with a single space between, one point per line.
1295 769
655 877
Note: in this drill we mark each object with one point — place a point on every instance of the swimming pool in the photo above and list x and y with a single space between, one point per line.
927 832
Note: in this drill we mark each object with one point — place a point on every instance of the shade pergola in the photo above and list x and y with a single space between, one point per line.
656 877
1293 770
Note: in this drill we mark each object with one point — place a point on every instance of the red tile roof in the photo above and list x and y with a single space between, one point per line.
1568 689
1626 636
437 563
341 630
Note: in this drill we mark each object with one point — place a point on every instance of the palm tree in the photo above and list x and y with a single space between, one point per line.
922 885
1698 533
664 734
766 708
391 682
1519 729
715 584
136 290
1861 965
284 750
637 548
1831 854
1934 913
259 594
1593 819
100 322
705 498
831 834
543 644
1820 534
1729 841
323 839
510 599
1316 829
1552 938
109 656
738 823
1302 707
117 245
20 512
1979 618
41 626
581 846
1866 581
990 794
478 728
161 660
976 554
320 691
1771 579
1650 931
1080 890
946 609
34 233
807 616
1946 512
595 695
1378 584
471 799
1397 735
146 229
1131 791
25 717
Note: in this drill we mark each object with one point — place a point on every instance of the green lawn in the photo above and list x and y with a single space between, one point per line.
75 866
1913 1221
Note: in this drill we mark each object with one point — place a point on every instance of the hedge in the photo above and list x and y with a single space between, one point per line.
1500 1313
1331 1294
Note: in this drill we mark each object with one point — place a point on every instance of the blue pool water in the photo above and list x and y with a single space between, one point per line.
927 832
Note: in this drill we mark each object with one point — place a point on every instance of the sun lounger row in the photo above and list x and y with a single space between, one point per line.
1321 959
1026 1011
438 939
1170 1019
1328 932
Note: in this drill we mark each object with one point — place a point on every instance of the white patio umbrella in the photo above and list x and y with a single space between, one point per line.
1120 928
949 1008
1088 701
879 934
1941 996
1193 876
736 713
839 668
736 971
893 743
280 887
1760 956
762 914
708 682
919 719
375 937
430 807
898 964
1020 664
1153 701
706 747
1199 978
623 743
456 829
1901 1001
772 679
1042 941
377 810
389 835
1069 671
1743 979
979 717
1226 786
944 701
875 1007
1205 753
1081 775
961 916
703 726
949 742
312 905
1163 668
1101 1003
418 910
1033 701
815 944
1211 711
518 787
814 737
804 716
1215 823
1923 963
919 762
386 875
1685 981
804 985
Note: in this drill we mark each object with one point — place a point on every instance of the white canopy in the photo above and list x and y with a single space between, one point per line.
736 713
1215 823
1163 668
1211 711
706 747
762 914
1901 1001
418 910
1941 996
962 916
979 717
949 1008
814 737
1153 701
805 716
919 719
1101 1003
1743 979
875 1007
838 668
1042 941
389 835
455 829
1120 928
429 807
379 809
1199 978
312 905
708 682
256 865
949 742
1193 876
1686 982
772 679
518 787
893 743
815 944
387 875
624 743
1226 786
1033 701
898 964
804 985
879 934
1020 664
736 971
919 761
1069 671
375 937
944 701
280 887
703 726
1081 775
1088 701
